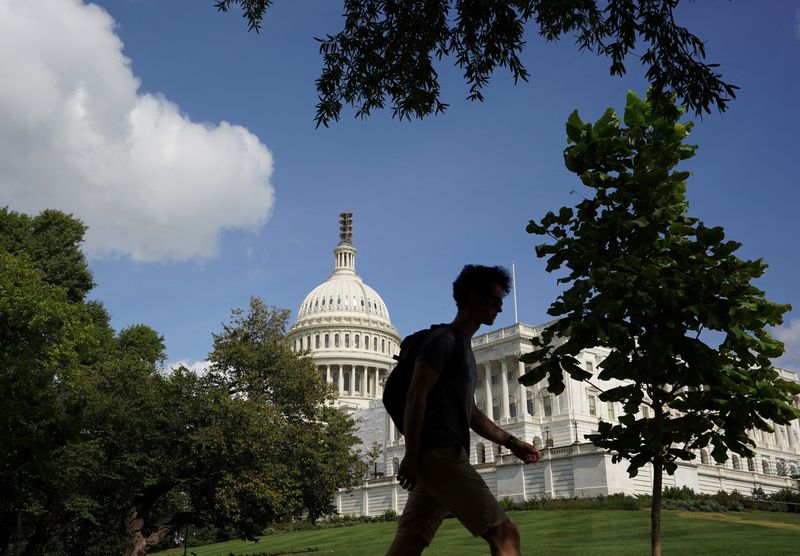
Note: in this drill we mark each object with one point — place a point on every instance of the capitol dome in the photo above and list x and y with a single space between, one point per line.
345 325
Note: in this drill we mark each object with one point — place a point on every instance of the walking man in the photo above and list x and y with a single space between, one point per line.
439 413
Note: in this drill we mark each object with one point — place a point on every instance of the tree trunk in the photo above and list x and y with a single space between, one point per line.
655 507
136 545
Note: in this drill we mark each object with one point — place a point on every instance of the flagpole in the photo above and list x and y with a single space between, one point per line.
514 287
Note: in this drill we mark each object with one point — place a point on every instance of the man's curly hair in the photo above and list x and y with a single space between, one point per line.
479 278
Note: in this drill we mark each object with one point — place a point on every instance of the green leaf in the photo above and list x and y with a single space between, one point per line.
575 127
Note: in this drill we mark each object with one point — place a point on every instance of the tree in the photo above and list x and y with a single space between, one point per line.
387 47
253 360
685 327
47 337
51 240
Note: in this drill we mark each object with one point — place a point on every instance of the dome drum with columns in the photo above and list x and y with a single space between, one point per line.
345 325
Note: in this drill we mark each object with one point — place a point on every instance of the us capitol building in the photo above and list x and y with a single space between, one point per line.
345 325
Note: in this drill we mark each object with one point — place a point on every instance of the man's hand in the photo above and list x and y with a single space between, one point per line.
407 474
524 451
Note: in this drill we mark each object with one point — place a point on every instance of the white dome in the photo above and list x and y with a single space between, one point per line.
343 296
345 326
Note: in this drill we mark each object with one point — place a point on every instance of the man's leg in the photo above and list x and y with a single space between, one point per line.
421 518
503 539
406 544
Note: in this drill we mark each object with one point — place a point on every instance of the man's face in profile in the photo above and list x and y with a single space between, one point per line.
490 303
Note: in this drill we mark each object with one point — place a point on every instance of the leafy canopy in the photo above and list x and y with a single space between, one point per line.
387 49
649 282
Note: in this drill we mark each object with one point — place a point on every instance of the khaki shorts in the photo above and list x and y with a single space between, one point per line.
448 483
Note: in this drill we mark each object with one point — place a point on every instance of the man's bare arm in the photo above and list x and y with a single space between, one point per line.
485 427
422 381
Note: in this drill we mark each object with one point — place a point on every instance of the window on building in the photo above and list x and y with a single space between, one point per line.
590 367
765 467
336 340
496 413
356 339
495 379
704 457
346 385
510 376
480 452
358 381
375 344
592 405
366 342
530 406
512 409
316 341
547 402
645 412
383 345
612 410
327 340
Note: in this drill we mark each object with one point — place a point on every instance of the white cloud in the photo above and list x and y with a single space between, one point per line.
77 134
789 334
197 367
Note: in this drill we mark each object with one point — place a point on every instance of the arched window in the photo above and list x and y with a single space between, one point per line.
308 342
383 345
531 406
355 338
327 340
347 340
366 341
375 344
336 340
316 341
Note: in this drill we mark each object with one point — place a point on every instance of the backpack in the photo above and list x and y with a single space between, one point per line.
397 383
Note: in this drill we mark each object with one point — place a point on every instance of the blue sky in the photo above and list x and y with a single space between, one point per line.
188 146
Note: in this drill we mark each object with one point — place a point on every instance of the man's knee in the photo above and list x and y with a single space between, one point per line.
503 539
406 544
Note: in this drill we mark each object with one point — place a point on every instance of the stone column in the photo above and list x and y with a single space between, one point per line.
390 428
504 412
328 374
341 380
522 394
378 387
352 380
487 387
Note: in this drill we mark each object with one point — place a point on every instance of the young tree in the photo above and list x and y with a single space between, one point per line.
685 326
386 49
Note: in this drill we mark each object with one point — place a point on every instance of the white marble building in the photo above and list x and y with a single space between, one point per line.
557 424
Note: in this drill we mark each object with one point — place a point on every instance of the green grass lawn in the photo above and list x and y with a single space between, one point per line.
561 532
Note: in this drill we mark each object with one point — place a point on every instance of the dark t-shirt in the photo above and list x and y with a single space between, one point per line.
449 404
